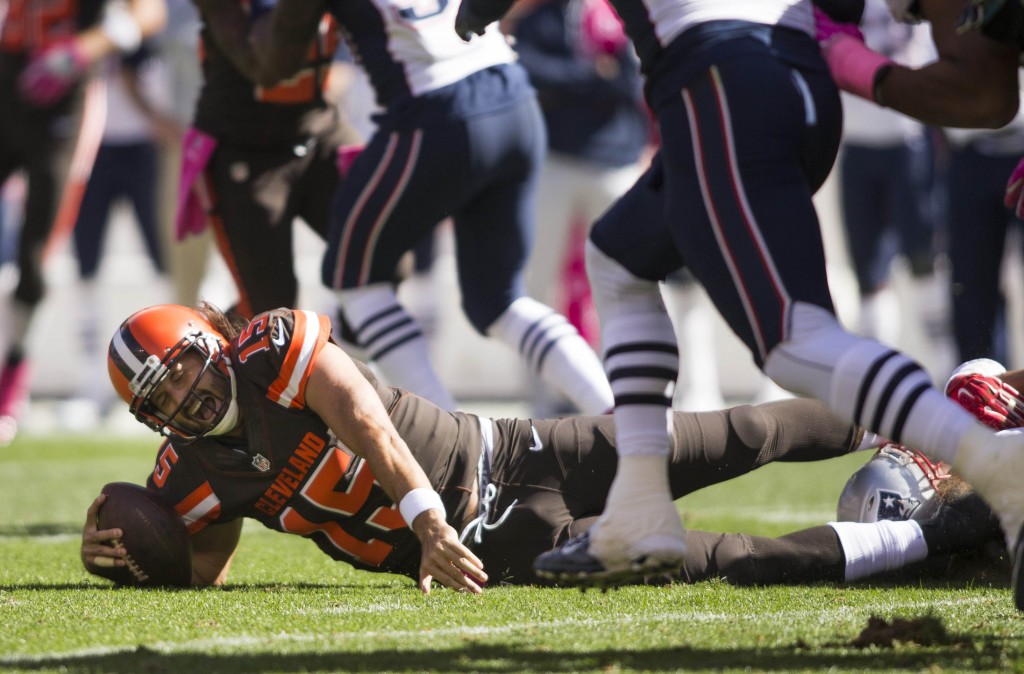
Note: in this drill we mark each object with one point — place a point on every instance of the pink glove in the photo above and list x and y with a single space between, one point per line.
601 31
854 67
52 72
347 156
991 400
193 202
1014 197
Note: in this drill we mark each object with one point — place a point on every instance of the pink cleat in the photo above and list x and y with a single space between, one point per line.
14 384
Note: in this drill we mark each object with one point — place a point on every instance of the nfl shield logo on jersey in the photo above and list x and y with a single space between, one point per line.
261 463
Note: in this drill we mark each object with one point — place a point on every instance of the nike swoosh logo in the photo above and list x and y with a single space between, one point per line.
537 444
278 338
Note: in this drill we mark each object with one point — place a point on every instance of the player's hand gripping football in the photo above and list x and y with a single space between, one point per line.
991 400
444 558
98 550
52 72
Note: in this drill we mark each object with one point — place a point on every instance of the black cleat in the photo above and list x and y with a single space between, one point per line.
573 564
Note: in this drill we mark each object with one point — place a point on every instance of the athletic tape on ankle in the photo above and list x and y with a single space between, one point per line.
418 500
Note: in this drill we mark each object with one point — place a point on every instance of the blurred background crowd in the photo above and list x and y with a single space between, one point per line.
922 252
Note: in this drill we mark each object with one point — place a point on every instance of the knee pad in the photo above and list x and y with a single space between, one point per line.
617 291
803 363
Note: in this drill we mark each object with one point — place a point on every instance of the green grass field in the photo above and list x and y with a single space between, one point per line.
290 609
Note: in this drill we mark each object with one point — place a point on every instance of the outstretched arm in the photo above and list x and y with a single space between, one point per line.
972 83
55 70
343 398
271 48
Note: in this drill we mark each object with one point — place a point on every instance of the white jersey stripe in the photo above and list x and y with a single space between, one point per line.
311 331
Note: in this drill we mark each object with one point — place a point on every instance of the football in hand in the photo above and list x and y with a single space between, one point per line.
158 544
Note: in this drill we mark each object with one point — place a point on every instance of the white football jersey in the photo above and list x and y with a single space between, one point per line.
410 46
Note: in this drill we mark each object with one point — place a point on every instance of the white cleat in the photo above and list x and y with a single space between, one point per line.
644 538
639 535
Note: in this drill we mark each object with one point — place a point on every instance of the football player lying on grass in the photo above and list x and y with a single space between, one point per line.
271 420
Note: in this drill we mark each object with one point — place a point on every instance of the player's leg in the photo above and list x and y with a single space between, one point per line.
396 192
865 174
978 223
494 233
713 447
47 165
252 223
141 190
639 530
765 238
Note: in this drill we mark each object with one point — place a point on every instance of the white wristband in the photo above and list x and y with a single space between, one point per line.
418 500
121 27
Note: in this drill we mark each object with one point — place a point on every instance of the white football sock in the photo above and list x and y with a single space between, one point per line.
874 547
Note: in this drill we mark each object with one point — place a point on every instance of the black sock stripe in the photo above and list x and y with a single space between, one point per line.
630 347
547 349
395 344
643 399
379 316
887 393
528 335
644 371
383 332
865 385
908 404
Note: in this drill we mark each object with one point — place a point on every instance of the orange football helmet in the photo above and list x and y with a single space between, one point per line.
144 350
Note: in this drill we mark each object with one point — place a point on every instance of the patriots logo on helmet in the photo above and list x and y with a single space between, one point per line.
893 506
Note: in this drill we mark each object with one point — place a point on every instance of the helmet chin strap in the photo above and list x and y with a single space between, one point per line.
230 418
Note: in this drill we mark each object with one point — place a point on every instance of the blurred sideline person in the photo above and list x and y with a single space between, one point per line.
890 200
135 133
460 136
599 134
256 158
47 54
177 48
750 122
979 220
329 455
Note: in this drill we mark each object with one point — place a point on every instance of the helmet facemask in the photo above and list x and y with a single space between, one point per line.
218 413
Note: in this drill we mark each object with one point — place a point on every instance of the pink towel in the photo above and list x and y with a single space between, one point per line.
193 202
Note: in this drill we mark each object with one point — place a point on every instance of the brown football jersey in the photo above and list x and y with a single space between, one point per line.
293 475
231 107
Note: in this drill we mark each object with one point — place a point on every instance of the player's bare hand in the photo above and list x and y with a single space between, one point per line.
100 548
444 558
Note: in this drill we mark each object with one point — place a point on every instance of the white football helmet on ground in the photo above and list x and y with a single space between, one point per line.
891 486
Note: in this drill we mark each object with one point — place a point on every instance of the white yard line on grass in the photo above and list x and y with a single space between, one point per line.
205 645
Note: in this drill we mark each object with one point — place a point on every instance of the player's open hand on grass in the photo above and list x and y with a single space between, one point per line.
445 559
98 548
